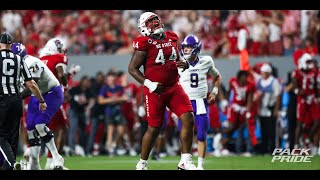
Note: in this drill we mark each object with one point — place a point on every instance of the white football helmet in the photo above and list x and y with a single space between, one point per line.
303 61
150 23
53 46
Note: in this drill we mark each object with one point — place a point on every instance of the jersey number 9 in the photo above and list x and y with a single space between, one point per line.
194 78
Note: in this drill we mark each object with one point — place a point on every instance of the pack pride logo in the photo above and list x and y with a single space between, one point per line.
296 155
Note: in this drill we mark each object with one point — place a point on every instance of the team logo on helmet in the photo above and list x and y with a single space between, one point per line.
191 41
59 45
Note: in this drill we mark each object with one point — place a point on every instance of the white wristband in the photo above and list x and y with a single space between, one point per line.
141 111
224 103
152 86
215 90
248 115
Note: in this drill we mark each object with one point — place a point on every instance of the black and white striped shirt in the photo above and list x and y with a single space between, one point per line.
12 67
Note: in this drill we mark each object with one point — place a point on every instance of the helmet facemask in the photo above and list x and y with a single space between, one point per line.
187 52
149 23
154 25
192 42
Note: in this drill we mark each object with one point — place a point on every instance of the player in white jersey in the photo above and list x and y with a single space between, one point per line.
194 83
37 121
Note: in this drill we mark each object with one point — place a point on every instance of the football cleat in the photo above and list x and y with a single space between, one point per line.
17 166
217 142
142 165
34 165
24 164
49 164
132 152
58 163
217 153
187 165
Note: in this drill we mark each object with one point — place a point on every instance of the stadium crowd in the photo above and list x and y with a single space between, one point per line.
271 32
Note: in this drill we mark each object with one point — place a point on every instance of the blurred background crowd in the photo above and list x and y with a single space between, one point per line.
271 32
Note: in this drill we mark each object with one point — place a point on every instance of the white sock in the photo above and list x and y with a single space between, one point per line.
34 157
200 162
185 156
49 163
51 144
314 150
49 160
52 148
35 152
141 160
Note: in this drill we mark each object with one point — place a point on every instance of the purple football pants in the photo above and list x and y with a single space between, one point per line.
54 99
202 121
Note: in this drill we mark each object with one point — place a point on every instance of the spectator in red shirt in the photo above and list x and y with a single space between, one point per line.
310 47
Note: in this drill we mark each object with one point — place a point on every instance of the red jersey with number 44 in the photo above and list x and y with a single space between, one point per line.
160 65
52 61
240 93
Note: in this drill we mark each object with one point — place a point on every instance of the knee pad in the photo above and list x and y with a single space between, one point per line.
33 138
34 142
202 136
45 134
47 137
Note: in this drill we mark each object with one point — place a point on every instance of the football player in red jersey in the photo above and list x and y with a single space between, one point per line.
53 54
240 109
157 52
308 116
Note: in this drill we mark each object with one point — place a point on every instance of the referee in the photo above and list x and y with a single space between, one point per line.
12 67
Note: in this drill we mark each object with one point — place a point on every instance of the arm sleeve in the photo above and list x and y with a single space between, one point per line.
24 70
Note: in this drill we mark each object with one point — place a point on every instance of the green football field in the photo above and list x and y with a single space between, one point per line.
170 163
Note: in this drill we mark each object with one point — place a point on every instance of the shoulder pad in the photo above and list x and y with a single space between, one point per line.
140 43
172 35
